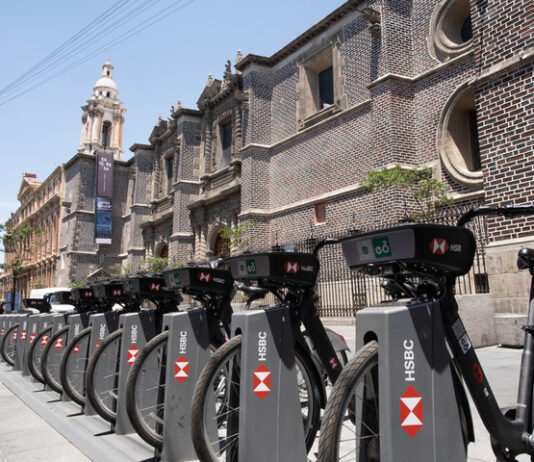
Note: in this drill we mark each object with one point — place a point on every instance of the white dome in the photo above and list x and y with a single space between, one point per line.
105 82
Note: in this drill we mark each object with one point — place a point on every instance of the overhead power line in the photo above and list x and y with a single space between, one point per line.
67 56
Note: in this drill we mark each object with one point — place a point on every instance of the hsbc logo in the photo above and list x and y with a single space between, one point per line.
181 369
32 337
44 340
133 352
76 349
2 332
155 287
59 343
23 335
292 267
88 294
14 335
204 277
262 381
116 292
333 363
439 246
411 411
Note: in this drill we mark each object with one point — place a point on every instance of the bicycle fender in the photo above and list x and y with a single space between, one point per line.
337 340
306 344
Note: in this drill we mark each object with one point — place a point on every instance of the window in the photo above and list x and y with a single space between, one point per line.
326 87
168 170
106 134
320 89
320 213
226 144
451 30
458 139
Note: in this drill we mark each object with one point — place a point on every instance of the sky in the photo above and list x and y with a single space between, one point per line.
167 61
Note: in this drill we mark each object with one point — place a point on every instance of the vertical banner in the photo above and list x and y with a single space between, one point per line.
103 204
8 301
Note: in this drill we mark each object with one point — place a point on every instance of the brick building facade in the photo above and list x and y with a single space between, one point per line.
286 140
36 257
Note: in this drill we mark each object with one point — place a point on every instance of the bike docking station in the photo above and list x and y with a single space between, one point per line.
188 350
270 418
137 330
36 324
20 337
102 324
416 384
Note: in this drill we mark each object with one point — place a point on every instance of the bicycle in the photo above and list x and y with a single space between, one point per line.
10 335
213 288
423 262
217 389
54 349
108 295
102 374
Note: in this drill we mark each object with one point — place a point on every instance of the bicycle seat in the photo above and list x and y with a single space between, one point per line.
147 286
284 268
254 291
38 303
525 258
418 248
199 278
109 290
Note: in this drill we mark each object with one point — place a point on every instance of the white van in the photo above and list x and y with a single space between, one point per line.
60 298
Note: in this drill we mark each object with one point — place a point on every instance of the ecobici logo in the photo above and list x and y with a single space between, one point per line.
251 267
381 247
177 279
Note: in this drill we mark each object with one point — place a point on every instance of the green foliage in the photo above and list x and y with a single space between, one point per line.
38 283
16 241
426 192
78 285
155 264
118 270
237 234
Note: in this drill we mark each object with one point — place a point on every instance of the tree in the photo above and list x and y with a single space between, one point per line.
16 243
427 192
236 235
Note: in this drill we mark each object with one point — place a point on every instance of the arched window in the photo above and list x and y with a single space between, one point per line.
163 251
106 134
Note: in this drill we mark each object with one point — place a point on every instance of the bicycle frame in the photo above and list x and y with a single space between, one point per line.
513 434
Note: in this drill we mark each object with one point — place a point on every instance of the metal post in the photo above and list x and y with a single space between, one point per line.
188 350
102 324
418 414
270 419
20 345
138 329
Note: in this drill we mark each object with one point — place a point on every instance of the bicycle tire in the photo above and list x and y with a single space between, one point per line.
206 384
147 420
73 366
358 380
101 390
8 347
35 352
51 358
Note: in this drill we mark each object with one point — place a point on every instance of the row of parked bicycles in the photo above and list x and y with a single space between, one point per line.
351 404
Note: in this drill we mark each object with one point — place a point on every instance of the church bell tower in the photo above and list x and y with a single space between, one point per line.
103 117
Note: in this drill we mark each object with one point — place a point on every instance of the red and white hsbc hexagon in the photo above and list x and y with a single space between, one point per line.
204 277
181 369
262 381
411 411
292 267
133 352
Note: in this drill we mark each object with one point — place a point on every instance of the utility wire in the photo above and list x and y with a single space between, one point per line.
63 46
112 42
56 57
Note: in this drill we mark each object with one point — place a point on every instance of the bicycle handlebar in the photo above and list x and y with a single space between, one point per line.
508 211
321 244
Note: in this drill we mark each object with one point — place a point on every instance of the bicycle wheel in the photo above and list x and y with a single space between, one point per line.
35 352
51 358
350 424
9 344
102 376
215 407
145 390
73 365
